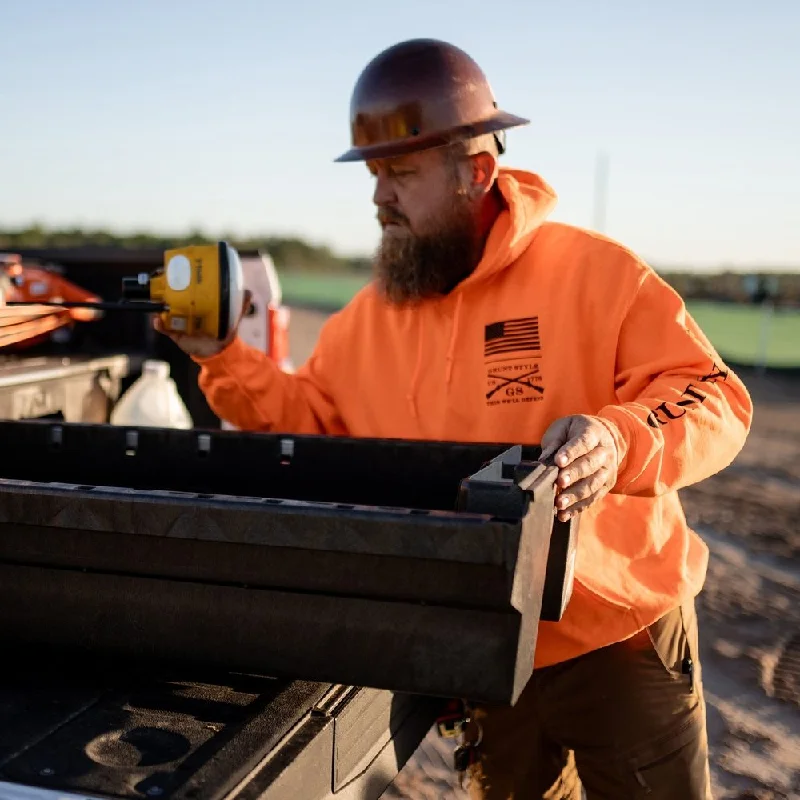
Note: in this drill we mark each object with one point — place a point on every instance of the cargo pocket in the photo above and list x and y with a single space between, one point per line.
673 638
676 766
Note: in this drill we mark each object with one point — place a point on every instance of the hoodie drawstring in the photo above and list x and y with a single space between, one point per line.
453 335
411 397
412 392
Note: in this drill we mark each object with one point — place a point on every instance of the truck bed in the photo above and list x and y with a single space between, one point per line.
108 731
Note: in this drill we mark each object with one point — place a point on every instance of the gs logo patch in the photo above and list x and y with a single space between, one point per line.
512 353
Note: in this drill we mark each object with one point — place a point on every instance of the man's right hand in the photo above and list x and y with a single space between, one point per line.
202 346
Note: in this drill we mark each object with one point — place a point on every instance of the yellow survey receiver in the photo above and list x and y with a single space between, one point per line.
199 291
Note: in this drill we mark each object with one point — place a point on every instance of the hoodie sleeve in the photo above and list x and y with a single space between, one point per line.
681 415
245 387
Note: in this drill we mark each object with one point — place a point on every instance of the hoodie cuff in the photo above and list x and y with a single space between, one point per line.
617 425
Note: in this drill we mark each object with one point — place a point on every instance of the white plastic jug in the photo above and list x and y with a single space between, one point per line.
152 401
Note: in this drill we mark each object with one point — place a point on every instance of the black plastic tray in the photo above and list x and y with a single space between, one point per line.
396 565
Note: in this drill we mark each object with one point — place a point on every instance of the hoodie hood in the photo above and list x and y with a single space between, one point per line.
528 202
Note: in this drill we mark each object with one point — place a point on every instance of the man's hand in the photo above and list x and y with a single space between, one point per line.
202 346
586 454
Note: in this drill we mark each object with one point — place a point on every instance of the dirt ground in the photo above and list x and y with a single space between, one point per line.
749 610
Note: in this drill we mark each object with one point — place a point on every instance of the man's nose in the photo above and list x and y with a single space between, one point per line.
384 193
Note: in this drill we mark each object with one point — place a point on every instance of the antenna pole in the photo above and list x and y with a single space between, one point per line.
600 191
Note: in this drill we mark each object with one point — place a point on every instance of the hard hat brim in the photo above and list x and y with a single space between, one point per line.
500 120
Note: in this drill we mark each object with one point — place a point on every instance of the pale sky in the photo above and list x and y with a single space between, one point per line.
162 115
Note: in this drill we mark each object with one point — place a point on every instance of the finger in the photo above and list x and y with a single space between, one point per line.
583 489
576 447
582 505
158 324
556 435
583 466
545 457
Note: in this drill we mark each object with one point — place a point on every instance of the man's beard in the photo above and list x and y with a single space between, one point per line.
412 267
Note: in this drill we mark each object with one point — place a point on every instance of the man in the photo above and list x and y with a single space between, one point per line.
486 322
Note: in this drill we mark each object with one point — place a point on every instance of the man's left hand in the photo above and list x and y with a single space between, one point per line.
586 454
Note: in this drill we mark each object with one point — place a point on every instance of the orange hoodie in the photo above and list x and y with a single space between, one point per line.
554 321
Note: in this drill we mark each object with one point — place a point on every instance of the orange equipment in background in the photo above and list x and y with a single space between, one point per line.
25 326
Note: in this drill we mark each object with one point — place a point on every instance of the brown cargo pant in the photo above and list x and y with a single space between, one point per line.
626 722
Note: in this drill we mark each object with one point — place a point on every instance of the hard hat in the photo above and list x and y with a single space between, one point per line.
420 94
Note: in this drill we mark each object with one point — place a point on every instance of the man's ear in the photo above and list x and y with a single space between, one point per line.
484 172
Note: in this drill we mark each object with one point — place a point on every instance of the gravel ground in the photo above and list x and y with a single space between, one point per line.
749 610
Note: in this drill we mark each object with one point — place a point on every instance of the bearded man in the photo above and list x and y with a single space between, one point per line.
487 322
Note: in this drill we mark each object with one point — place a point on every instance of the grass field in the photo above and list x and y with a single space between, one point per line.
324 291
740 332
736 331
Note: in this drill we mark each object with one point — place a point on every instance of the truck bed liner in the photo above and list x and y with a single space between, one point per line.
121 733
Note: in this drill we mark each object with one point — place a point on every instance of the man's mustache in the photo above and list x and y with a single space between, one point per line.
389 215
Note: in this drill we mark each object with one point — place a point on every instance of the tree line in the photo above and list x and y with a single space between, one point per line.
287 252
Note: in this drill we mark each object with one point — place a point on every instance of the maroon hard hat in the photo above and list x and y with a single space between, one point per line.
420 94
